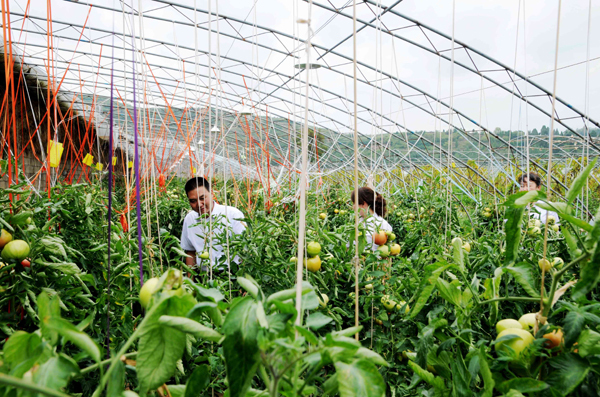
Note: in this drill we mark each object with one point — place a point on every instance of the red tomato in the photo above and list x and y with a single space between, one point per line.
26 263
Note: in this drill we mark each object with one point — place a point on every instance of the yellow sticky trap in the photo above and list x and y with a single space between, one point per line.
194 170
99 166
88 160
114 161
55 150
130 164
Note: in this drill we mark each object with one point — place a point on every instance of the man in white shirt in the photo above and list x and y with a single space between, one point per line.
372 207
204 226
533 181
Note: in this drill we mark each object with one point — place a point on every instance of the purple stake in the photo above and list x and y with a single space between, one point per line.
110 184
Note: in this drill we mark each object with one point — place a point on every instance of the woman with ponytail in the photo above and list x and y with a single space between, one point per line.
372 207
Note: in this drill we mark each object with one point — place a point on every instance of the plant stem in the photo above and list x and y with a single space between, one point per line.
21 384
556 277
511 298
94 366
123 350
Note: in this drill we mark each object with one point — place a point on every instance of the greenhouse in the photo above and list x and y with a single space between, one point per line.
300 198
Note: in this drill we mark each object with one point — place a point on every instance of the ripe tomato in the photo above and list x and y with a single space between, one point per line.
554 339
380 238
25 263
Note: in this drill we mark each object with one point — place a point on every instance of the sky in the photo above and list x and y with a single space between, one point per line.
519 33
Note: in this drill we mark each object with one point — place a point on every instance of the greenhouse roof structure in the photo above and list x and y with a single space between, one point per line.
235 82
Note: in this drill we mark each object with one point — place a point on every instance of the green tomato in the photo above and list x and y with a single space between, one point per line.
204 255
15 250
506 324
147 290
384 251
544 265
521 342
313 248
527 321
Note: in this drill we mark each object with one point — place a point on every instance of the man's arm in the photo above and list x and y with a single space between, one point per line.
190 259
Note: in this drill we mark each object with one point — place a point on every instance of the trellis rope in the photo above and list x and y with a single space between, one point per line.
550 143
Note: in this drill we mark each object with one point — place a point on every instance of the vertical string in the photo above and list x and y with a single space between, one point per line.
136 159
303 177
356 263
550 143
110 185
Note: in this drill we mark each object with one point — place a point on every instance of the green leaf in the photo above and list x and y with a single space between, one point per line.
309 336
206 294
310 301
449 292
48 308
116 381
178 390
370 355
512 228
570 240
574 322
588 343
486 374
55 373
461 378
67 268
161 346
20 219
53 245
594 236
523 385
522 199
249 285
422 300
431 379
360 378
188 326
575 221
527 198
73 335
20 347
579 182
567 372
317 320
590 275
240 346
198 381
458 254
522 272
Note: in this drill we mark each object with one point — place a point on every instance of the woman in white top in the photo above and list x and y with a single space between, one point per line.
533 181
372 209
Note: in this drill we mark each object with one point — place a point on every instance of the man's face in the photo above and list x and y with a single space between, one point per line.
200 200
528 185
